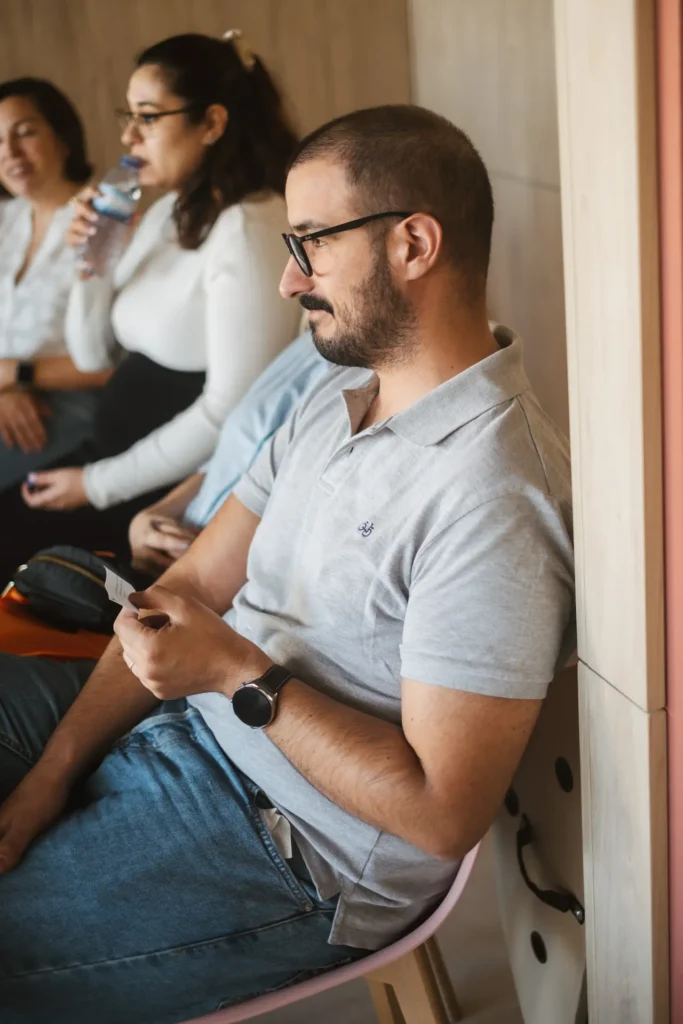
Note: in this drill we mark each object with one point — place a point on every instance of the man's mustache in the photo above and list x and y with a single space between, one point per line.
314 302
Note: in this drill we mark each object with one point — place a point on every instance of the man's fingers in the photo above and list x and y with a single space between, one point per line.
155 620
129 662
157 598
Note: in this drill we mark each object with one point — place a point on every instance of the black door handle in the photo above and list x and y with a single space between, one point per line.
557 899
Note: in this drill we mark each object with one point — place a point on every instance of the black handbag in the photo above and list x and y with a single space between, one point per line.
64 586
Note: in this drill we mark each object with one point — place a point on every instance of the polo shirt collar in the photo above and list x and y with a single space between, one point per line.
490 382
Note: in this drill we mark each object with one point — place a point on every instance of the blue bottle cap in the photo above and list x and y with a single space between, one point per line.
133 162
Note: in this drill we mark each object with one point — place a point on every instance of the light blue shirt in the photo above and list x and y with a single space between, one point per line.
264 408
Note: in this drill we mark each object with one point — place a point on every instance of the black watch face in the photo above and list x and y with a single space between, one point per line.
252 706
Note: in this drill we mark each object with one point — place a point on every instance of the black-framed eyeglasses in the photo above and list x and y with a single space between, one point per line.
145 120
295 243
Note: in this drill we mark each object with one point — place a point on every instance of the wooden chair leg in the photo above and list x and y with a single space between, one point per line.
417 989
448 997
384 1001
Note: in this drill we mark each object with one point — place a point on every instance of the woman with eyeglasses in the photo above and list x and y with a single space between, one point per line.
191 314
47 405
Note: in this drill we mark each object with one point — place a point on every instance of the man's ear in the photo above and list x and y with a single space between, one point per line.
415 245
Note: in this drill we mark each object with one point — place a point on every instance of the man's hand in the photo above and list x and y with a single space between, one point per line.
195 652
157 541
34 805
21 421
60 489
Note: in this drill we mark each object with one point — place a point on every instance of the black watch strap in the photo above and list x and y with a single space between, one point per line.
274 678
26 373
255 703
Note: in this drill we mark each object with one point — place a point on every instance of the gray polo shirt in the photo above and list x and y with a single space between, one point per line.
436 546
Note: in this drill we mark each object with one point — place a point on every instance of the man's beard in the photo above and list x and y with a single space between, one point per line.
379 323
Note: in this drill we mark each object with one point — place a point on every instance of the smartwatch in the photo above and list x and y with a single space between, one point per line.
25 375
255 703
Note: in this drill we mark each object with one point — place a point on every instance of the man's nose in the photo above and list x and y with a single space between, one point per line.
293 282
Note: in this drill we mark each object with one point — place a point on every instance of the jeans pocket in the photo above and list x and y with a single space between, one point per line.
292 883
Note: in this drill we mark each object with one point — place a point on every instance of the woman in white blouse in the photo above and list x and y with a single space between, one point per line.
46 403
197 290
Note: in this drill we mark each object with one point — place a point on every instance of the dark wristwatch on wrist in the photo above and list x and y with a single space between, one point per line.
25 374
255 703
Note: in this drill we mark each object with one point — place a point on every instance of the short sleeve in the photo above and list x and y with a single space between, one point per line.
491 601
255 487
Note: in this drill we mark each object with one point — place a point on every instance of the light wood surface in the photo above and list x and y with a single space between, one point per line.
330 56
489 66
623 767
384 1003
555 989
421 987
608 157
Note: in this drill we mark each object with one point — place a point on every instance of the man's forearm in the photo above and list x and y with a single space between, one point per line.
111 702
360 762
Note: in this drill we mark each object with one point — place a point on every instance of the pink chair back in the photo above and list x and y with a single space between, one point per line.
358 969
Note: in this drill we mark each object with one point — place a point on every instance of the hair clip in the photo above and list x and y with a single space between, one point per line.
242 47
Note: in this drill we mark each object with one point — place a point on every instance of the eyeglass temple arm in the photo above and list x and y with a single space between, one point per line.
350 224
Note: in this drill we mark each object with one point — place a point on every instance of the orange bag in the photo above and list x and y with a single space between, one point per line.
21 633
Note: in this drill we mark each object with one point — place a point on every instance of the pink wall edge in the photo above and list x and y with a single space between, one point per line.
670 119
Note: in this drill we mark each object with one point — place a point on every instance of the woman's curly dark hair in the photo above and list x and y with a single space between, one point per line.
252 154
62 117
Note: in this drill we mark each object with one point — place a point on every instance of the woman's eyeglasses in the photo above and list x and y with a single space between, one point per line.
145 122
296 243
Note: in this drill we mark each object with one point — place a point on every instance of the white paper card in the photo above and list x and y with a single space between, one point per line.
118 589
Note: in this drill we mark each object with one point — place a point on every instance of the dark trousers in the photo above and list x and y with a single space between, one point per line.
141 395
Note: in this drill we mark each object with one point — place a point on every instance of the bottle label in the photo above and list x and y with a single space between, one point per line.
113 203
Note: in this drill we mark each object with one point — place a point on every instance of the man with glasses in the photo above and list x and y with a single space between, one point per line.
347 664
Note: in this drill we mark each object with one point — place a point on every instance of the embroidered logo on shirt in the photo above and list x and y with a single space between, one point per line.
366 528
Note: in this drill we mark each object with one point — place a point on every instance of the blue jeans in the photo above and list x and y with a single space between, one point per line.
159 895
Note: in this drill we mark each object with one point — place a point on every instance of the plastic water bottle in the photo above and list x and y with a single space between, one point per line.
119 192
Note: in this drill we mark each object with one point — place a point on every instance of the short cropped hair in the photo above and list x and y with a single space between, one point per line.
402 157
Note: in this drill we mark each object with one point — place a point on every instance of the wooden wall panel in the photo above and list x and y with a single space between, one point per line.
330 56
623 780
606 83
489 66
608 159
